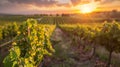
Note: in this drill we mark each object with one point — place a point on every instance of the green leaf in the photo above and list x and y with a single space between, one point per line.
7 61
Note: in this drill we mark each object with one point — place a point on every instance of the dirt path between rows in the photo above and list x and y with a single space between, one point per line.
65 56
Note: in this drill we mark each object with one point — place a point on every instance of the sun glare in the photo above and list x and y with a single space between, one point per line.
88 8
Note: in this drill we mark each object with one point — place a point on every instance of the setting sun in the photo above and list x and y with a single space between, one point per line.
88 8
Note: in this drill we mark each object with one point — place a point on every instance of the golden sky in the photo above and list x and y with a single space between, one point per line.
54 6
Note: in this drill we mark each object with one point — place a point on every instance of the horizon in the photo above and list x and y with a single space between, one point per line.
54 6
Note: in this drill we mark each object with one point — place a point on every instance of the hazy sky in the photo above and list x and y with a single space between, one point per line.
53 6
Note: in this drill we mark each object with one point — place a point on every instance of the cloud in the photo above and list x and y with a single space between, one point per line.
22 5
36 2
13 3
75 2
7 4
25 5
106 1
15 6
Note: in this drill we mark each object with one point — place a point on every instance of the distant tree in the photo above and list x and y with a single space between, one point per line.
65 14
57 14
114 14
50 15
